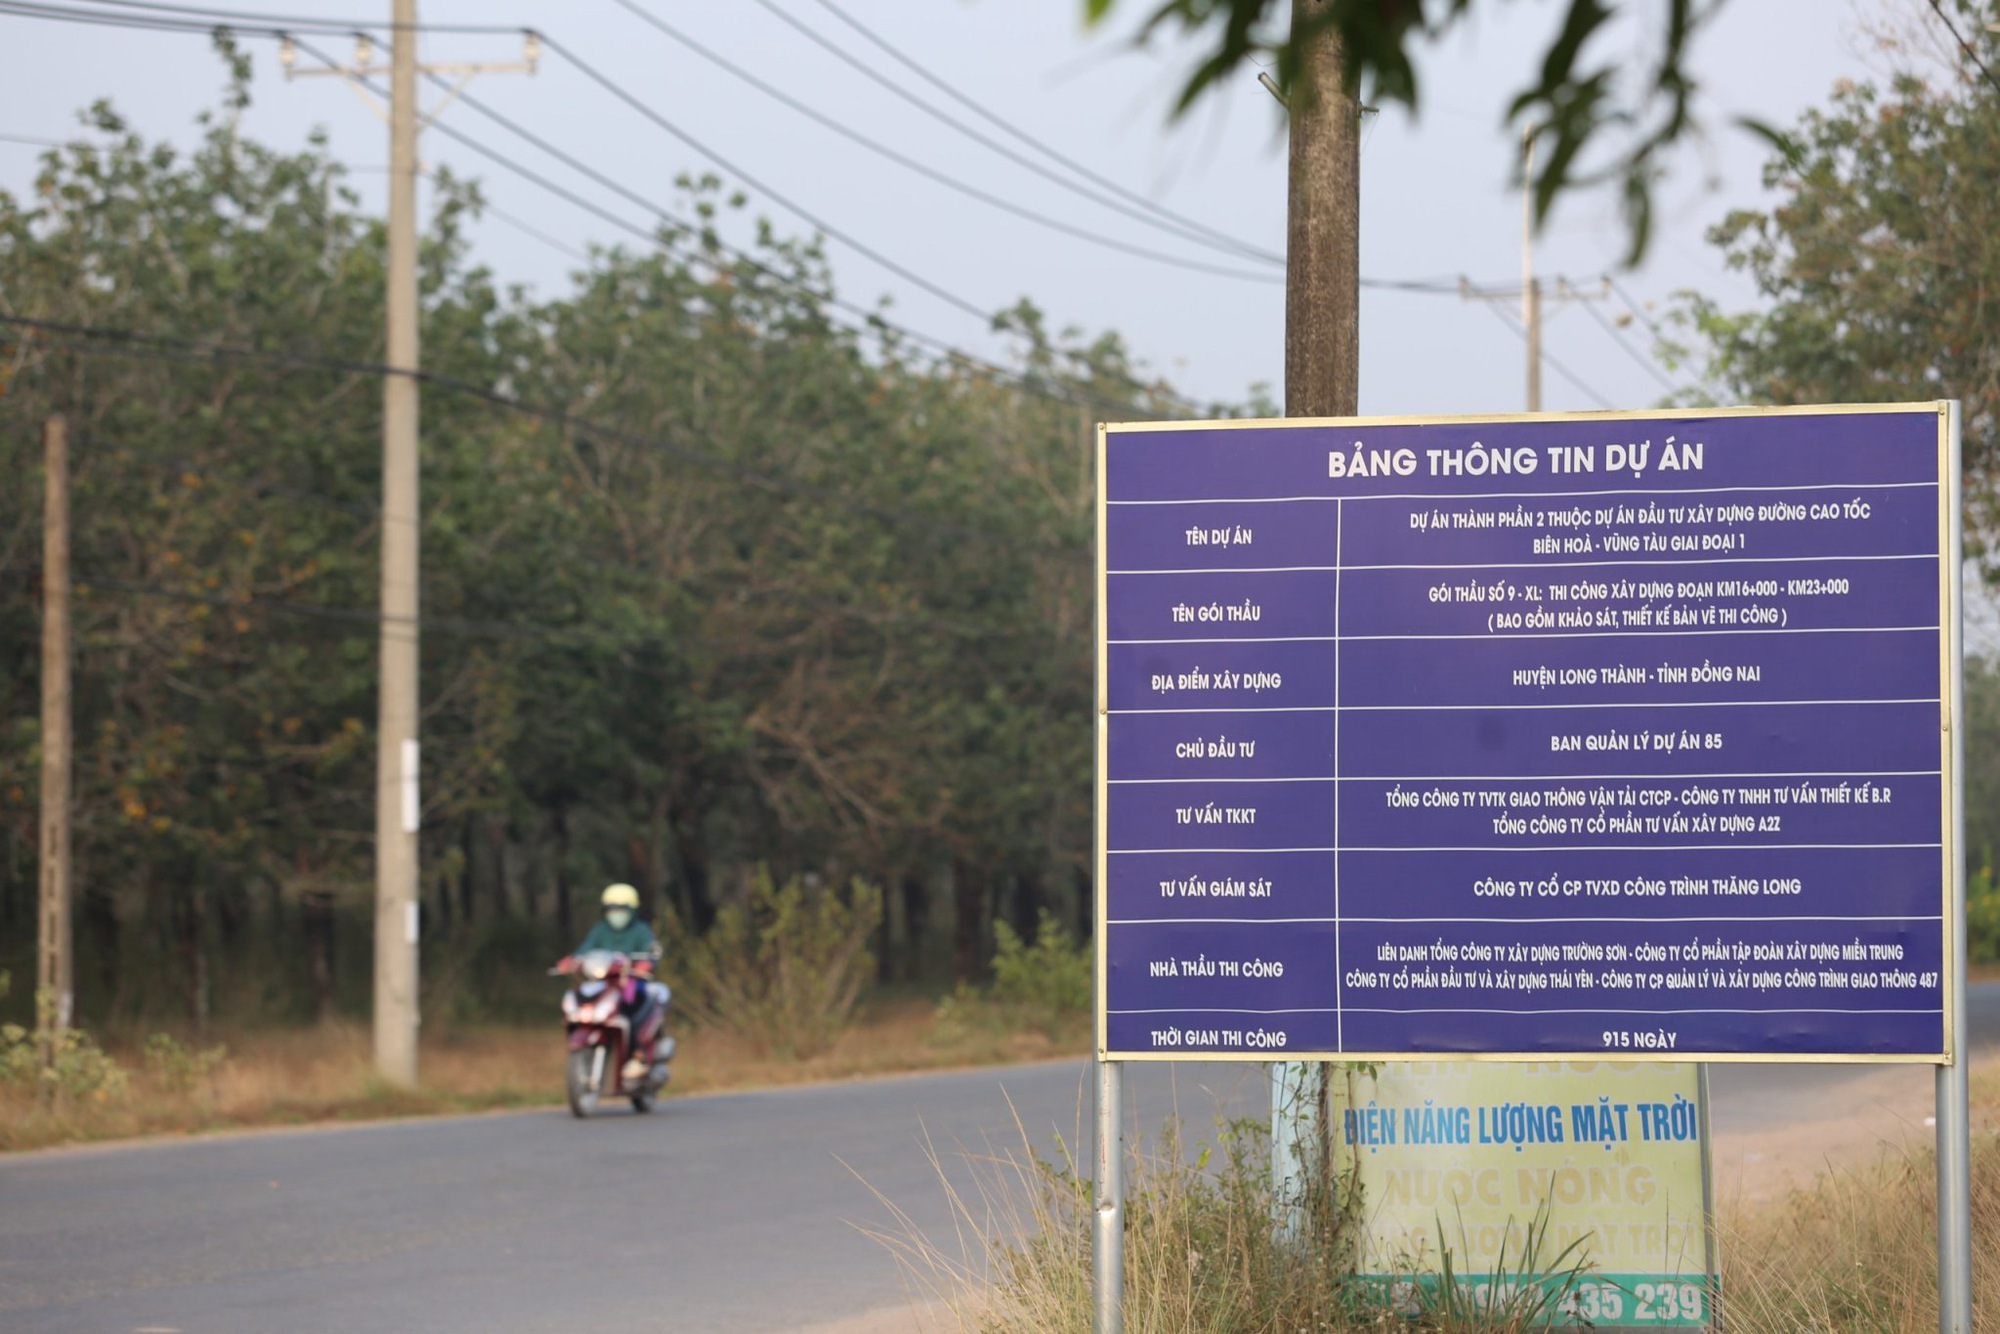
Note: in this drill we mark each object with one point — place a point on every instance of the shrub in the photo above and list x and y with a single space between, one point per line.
182 1071
1048 982
1982 917
76 1069
784 970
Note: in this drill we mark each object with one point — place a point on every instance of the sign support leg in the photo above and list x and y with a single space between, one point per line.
1296 1135
1954 1171
1954 1129
1107 1236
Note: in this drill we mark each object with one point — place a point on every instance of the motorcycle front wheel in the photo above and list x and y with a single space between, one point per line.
582 1093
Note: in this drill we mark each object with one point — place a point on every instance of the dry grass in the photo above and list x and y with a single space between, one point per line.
1853 1252
1200 1255
325 1074
1856 1251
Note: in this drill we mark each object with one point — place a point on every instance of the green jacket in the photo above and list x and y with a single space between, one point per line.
636 939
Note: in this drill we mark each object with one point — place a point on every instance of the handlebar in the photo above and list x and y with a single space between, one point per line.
642 965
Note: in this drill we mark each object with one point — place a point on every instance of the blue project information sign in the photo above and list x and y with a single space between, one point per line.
1532 737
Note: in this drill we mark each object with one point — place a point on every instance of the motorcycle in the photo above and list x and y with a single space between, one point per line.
600 1033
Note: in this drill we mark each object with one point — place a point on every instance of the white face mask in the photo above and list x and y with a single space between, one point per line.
618 918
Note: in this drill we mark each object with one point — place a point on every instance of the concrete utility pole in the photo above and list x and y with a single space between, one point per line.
398 808
397 814
1532 293
54 964
1322 379
1531 286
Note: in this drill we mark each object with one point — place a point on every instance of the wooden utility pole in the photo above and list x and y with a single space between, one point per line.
54 967
1322 379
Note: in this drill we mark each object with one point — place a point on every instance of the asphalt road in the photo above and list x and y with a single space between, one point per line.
740 1212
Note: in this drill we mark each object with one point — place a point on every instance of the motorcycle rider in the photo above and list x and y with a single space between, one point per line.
621 931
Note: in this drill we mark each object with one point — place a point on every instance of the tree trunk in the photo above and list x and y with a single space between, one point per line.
917 912
503 892
1029 899
696 887
559 817
1323 240
639 870
895 952
469 846
316 917
10 905
100 915
969 897
193 923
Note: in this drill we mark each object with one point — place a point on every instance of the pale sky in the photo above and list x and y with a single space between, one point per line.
1436 199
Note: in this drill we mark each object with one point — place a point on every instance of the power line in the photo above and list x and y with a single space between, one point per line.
1152 215
335 25
170 348
186 351
529 229
1659 335
101 19
932 174
1971 53
1507 318
908 275
1427 286
469 627
244 24
1617 336
1638 311
870 318
84 582
455 625
489 209
1007 126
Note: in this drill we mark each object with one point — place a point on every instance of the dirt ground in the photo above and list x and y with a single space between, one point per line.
1886 1114
892 1320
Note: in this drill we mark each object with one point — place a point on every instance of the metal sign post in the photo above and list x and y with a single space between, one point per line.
1954 1129
1543 738
1107 1220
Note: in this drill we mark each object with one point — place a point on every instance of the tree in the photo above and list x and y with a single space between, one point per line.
710 582
1880 271
1880 263
222 753
1574 103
